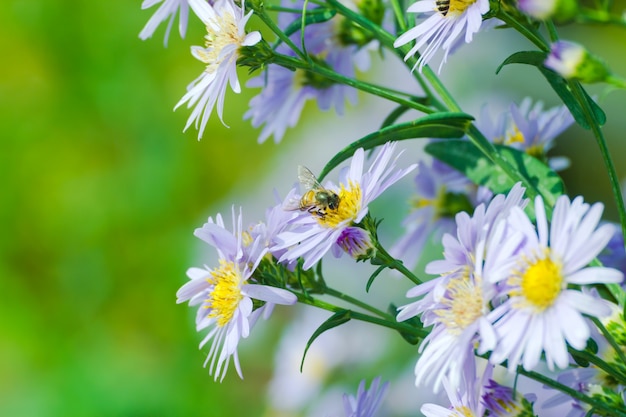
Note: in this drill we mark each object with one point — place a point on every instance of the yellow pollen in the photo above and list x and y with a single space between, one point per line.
226 294
349 206
215 41
246 238
452 8
463 303
542 283
514 137
462 411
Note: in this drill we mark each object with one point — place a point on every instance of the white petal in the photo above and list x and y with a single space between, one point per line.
269 294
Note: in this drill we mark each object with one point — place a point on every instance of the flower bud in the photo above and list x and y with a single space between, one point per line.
559 10
357 243
573 61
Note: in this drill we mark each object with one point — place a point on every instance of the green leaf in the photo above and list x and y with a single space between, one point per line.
373 277
559 85
465 157
337 319
312 16
413 321
437 125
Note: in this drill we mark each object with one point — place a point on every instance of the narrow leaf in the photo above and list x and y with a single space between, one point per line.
413 321
337 319
437 125
559 85
312 17
373 277
465 157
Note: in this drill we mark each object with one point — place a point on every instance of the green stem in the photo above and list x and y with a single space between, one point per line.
531 35
598 362
609 337
345 297
399 13
571 392
578 92
379 91
385 38
487 148
554 36
384 258
279 33
400 327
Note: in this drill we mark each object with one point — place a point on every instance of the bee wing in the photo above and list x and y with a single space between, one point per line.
307 179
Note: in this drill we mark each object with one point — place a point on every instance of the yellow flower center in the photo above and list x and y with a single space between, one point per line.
226 294
453 7
462 411
542 283
516 136
463 303
347 209
215 41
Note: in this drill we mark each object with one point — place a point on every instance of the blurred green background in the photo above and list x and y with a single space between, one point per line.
100 193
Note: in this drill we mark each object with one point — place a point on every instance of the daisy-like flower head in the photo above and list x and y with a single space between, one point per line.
457 303
501 401
366 401
313 234
284 92
443 28
542 314
224 294
225 24
465 398
167 10
530 128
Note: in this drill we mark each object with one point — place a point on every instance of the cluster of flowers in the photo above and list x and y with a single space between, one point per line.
520 283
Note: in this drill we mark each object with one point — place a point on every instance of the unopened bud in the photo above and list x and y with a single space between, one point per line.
559 10
573 61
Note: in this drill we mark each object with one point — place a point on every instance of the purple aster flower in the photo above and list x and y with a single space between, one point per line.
542 314
458 302
614 255
580 379
465 398
279 105
529 128
501 401
441 30
224 295
314 233
442 192
167 10
366 401
225 24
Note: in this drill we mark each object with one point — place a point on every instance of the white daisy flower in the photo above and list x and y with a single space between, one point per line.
542 312
225 23
315 232
457 303
443 28
224 294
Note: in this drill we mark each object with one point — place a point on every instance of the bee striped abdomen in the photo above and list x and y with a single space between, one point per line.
443 6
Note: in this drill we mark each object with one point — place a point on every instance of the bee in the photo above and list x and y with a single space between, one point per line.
316 199
443 6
